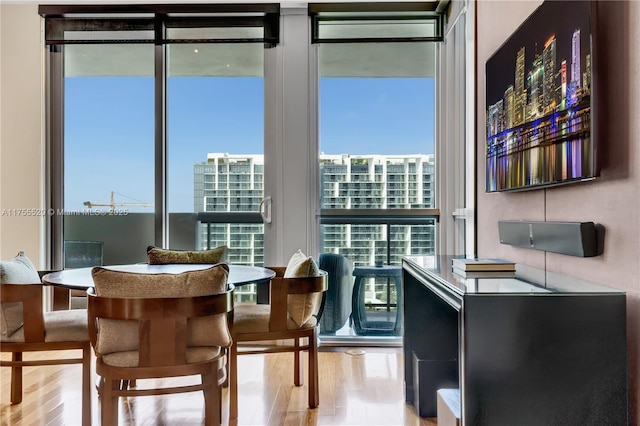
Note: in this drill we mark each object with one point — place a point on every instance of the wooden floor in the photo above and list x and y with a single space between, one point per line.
362 389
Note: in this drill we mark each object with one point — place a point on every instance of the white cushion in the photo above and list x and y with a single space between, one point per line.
301 307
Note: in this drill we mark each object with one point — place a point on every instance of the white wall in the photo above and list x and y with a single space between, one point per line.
21 130
613 200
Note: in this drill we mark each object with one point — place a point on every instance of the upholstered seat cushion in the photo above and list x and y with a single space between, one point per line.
301 307
130 358
122 335
251 318
59 326
158 256
19 270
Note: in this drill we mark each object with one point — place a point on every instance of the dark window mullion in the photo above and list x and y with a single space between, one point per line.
161 221
55 157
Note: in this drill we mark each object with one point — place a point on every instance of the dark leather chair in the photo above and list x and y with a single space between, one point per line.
336 303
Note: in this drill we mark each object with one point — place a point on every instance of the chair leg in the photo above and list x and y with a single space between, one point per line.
233 381
217 397
127 384
211 399
314 392
109 402
16 379
225 383
86 385
222 380
297 364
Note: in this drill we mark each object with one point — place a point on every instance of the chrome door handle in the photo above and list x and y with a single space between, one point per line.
265 209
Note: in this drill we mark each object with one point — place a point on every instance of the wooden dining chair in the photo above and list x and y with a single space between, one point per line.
150 326
26 328
295 298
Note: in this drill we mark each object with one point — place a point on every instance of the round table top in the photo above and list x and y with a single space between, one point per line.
80 279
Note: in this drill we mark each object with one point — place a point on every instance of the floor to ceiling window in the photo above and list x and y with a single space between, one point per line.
377 138
108 152
179 125
161 129
377 159
215 103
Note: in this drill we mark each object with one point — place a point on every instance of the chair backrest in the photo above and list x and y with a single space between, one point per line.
29 296
307 296
163 336
160 291
20 271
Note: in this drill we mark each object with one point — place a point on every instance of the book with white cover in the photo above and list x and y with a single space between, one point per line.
483 264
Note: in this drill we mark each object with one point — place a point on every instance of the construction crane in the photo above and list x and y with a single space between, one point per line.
112 204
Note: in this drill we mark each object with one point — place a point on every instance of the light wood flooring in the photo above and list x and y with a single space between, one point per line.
362 389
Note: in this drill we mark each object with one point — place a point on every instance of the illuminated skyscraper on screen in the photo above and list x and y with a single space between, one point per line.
549 65
576 75
520 92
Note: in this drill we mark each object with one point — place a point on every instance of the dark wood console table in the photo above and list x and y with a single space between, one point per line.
520 353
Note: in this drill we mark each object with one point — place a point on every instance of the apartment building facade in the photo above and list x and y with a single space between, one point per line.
235 183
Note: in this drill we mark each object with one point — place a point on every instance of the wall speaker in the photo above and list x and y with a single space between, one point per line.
571 238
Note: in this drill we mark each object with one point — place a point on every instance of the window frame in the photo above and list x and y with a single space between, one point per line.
58 18
279 127
398 11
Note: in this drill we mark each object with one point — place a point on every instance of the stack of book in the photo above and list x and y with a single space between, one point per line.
483 267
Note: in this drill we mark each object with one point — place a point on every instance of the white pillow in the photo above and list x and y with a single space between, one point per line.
302 306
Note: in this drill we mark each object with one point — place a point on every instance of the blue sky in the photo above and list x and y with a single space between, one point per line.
109 128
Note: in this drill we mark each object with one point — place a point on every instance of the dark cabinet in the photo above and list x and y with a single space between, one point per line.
519 352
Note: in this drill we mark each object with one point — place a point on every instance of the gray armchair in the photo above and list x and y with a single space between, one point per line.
336 302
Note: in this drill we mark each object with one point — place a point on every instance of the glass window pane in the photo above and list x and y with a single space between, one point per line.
216 33
377 137
216 144
108 35
348 29
109 149
377 132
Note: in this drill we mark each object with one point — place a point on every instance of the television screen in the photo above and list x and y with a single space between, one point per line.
538 102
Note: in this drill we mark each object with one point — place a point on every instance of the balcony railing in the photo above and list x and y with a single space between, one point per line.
365 236
368 227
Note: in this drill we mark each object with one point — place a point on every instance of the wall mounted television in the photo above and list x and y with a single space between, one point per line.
539 103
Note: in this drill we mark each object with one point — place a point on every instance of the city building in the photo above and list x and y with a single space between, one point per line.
234 183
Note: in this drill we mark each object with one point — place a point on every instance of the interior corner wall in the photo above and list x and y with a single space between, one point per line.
612 200
21 130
